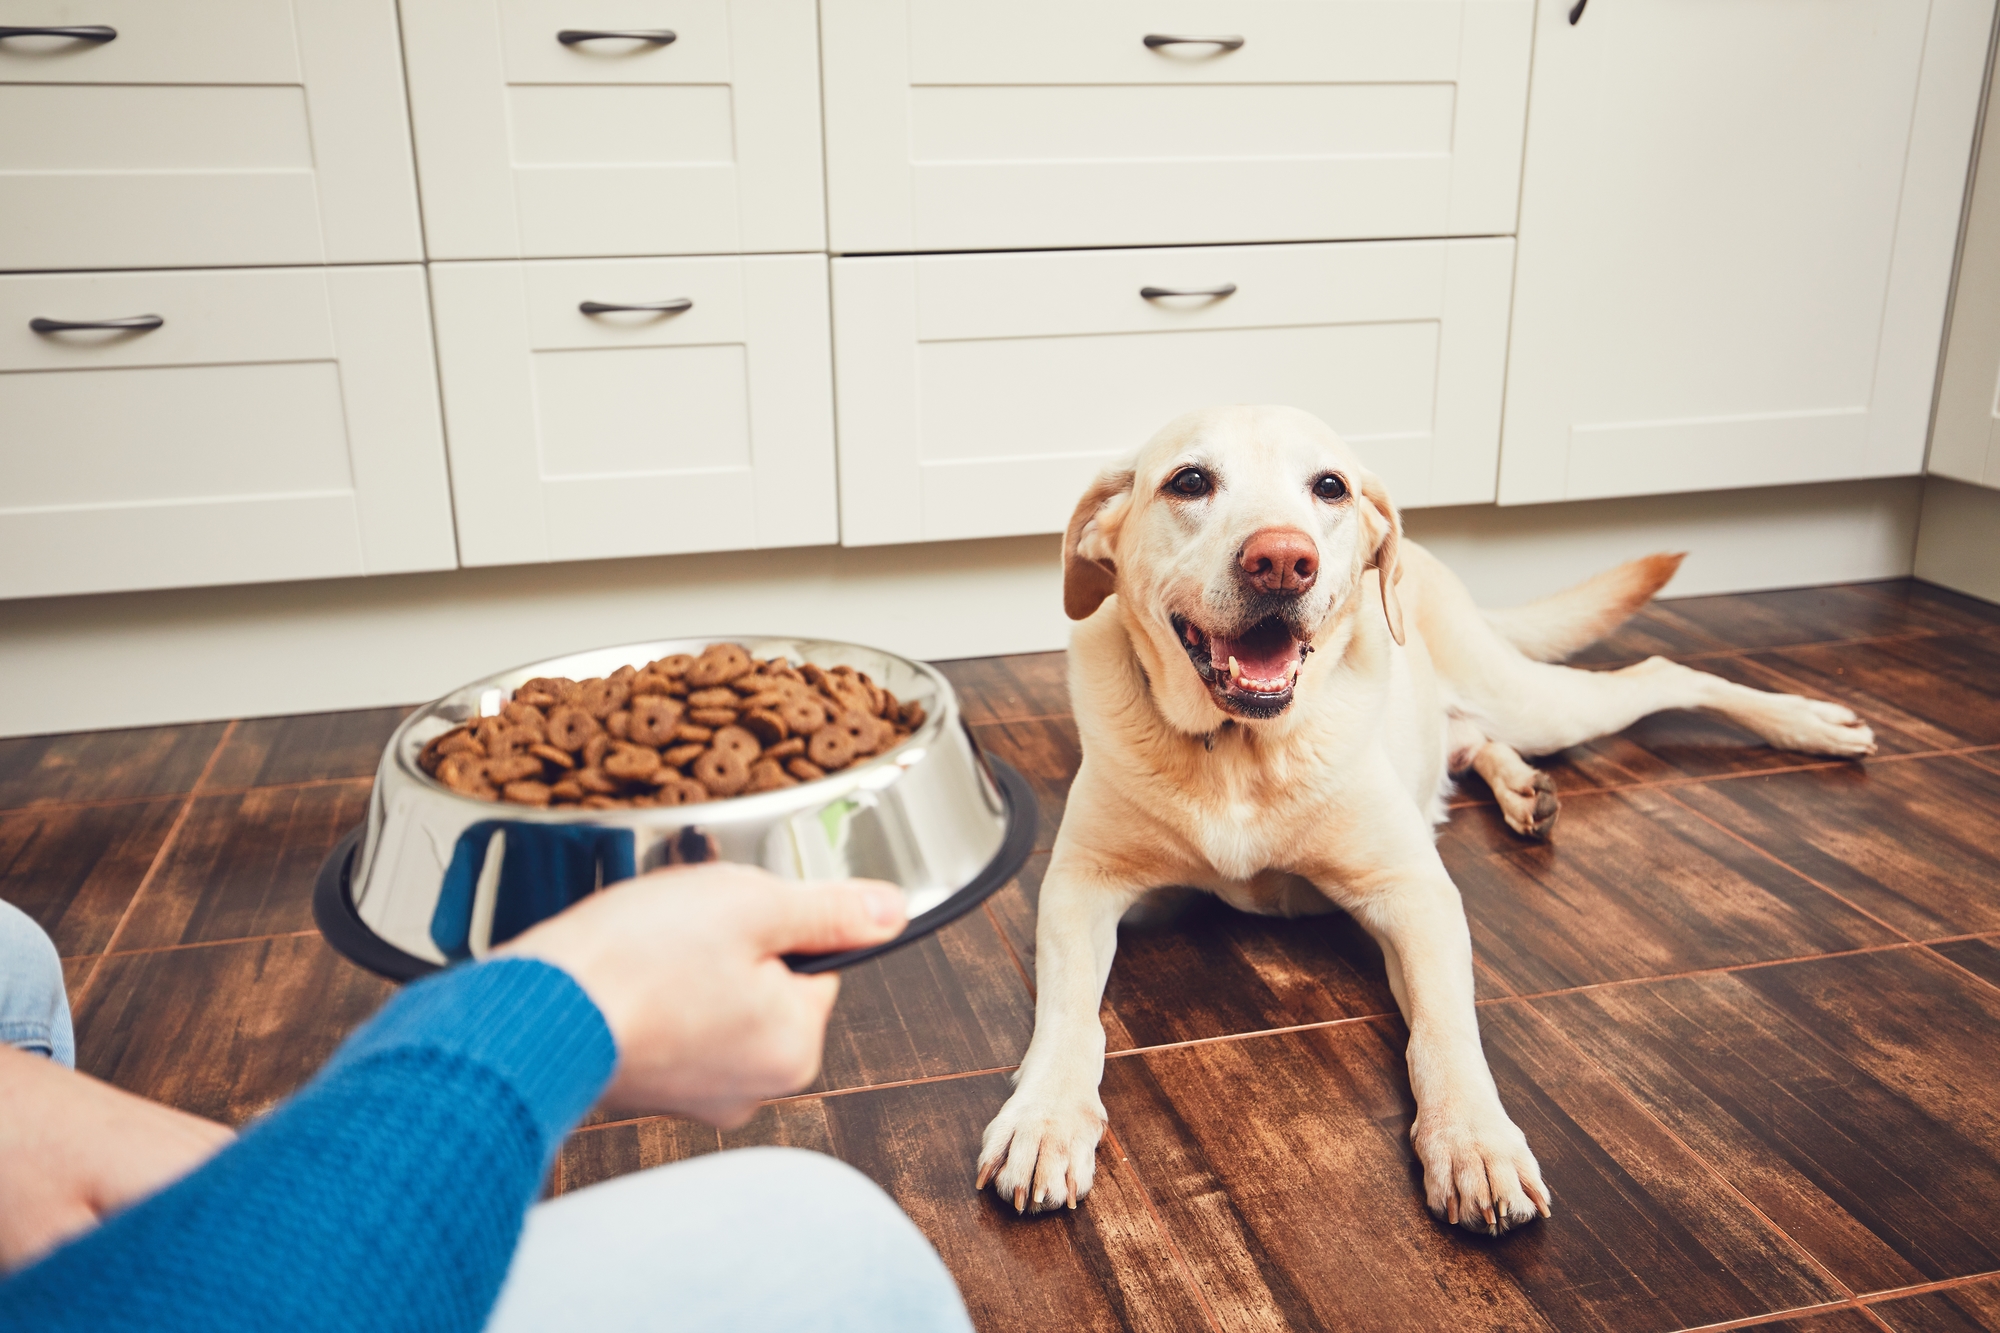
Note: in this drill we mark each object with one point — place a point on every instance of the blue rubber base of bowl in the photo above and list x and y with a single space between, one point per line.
333 906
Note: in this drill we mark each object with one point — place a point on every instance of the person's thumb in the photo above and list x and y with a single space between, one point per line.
828 917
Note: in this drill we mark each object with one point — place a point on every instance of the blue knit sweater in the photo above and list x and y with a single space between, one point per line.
387 1195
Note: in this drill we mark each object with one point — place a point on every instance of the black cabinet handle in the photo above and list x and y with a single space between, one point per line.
1155 293
89 32
1576 12
657 36
1155 40
137 323
673 307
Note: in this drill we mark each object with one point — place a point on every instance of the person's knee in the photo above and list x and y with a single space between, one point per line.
34 1007
754 1237
855 1237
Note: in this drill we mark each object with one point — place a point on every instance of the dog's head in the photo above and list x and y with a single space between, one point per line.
1236 540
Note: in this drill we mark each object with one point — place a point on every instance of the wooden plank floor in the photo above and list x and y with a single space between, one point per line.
1746 1007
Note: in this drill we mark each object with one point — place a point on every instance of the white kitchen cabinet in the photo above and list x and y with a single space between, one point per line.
978 394
1965 437
278 424
1051 123
205 132
704 426
538 138
1737 223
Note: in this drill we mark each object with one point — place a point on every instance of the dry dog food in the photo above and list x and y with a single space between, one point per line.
677 731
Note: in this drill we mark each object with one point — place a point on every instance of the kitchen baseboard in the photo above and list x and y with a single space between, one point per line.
144 659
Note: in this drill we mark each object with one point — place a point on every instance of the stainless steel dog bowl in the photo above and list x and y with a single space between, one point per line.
434 877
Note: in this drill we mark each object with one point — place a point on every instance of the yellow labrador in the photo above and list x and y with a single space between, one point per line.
1262 721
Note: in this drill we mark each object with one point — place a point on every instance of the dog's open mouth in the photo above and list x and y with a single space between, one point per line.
1251 673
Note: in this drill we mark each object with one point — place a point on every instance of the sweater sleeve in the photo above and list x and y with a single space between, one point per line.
388 1194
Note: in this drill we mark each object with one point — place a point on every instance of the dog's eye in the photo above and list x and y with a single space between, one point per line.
1331 487
1190 481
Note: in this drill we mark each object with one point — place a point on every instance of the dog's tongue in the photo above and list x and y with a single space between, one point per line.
1264 655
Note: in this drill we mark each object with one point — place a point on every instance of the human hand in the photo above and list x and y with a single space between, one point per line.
74 1150
685 966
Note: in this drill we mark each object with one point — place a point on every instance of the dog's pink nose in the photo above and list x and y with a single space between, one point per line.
1280 560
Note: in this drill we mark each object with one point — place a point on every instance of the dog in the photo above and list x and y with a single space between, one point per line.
1264 721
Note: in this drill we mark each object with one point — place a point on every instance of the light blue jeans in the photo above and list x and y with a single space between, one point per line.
753 1239
34 1008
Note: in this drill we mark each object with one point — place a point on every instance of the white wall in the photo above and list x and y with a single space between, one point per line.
1959 542
130 659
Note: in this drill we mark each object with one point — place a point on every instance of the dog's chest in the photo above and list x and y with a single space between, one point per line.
1237 843
1243 817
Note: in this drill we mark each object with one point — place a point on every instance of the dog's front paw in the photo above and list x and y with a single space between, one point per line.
1478 1172
1040 1152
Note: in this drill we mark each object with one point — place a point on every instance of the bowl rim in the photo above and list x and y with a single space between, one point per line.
890 763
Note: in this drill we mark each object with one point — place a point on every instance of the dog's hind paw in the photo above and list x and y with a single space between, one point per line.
1040 1152
1480 1176
1531 808
1815 726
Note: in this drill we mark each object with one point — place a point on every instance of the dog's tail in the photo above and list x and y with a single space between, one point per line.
1555 627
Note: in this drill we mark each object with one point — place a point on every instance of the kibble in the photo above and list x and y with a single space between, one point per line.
685 729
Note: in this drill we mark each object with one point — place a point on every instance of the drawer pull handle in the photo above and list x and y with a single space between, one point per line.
673 307
1155 293
136 323
657 36
1155 40
89 32
1576 14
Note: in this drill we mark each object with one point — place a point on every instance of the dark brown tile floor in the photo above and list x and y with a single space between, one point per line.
1746 1006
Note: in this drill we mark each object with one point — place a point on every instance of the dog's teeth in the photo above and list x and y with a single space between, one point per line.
1277 684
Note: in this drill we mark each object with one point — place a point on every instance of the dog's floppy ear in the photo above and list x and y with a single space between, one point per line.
1088 573
1383 560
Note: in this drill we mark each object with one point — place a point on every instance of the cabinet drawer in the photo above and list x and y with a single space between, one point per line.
1053 123
532 146
205 132
979 393
280 424
580 436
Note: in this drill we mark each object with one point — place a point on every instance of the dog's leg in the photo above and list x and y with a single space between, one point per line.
1526 795
1786 721
1040 1152
1478 1170
1539 709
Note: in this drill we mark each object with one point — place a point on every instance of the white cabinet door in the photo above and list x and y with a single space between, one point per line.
700 427
1048 123
700 136
979 393
278 424
1965 438
205 132
1737 223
